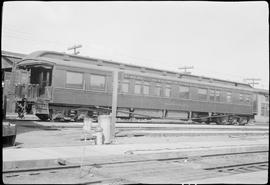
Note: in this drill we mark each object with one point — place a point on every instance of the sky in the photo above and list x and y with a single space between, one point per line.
224 40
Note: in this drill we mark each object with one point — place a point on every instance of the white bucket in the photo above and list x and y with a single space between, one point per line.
87 124
99 140
105 123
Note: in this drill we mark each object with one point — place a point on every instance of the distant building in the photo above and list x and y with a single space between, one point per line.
9 58
262 105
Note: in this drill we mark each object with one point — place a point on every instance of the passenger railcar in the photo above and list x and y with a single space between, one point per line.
67 82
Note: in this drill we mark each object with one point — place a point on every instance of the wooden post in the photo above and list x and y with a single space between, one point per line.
190 116
114 102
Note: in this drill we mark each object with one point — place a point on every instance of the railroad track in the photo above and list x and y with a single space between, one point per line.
120 172
63 166
241 168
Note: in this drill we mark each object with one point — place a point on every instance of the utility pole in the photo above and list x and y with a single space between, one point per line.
185 69
74 48
114 103
252 81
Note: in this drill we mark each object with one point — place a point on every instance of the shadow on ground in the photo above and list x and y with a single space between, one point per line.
29 126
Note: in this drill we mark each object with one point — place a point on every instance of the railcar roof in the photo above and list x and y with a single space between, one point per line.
12 54
9 58
58 58
261 91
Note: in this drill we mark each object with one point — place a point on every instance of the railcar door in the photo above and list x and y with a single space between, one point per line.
42 76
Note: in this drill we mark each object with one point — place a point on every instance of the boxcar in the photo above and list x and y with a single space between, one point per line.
68 82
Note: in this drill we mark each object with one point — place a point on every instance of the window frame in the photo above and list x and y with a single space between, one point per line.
122 83
91 87
75 85
214 94
218 92
144 85
138 83
156 87
242 98
247 99
200 94
228 93
165 91
263 109
266 98
184 92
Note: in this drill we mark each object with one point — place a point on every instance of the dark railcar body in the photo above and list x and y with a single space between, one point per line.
54 73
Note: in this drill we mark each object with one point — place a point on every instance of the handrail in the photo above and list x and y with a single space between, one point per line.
28 91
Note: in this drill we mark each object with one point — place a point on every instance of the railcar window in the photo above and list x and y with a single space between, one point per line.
167 91
264 109
266 98
146 87
267 109
125 86
212 95
74 80
248 99
241 97
184 92
157 90
137 88
229 97
217 95
202 94
97 82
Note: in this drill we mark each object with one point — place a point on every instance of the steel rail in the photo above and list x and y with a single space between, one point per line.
98 165
214 155
236 165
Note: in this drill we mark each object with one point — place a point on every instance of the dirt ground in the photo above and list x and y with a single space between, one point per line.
53 137
32 137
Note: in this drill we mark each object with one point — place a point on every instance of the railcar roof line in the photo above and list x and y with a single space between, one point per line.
104 62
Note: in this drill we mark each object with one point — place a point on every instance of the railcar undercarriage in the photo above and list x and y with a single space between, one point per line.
77 113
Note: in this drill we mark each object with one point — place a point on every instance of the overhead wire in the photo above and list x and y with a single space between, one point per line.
16 34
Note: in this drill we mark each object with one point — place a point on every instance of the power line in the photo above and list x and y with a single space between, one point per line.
13 33
14 37
30 37
39 42
16 34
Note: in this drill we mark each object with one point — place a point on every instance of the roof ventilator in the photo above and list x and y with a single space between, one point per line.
122 66
66 57
100 63
143 70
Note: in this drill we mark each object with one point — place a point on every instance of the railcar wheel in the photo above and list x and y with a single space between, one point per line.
207 122
43 117
243 122
222 121
235 121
